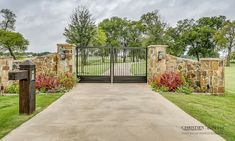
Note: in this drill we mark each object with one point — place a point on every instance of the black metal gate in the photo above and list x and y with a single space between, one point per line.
111 64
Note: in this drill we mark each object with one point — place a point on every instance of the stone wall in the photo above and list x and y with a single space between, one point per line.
44 64
206 75
5 65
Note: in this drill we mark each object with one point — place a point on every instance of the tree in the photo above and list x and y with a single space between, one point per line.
116 30
232 57
198 38
134 36
9 19
80 31
99 40
153 27
200 43
174 37
226 38
12 41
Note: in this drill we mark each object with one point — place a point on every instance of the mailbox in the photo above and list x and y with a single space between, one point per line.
26 76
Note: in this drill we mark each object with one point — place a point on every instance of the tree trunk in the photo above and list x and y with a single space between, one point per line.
197 54
229 56
12 54
133 56
115 55
83 54
102 55
124 55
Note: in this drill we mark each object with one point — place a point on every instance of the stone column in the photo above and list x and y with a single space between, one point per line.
5 67
212 76
156 60
66 58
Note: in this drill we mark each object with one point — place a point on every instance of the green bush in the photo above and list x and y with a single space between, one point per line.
67 80
184 90
163 89
12 89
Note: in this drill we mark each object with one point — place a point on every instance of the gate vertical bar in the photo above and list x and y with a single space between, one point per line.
111 64
146 65
76 62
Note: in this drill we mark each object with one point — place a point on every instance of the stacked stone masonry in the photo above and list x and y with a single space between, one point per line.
206 75
52 63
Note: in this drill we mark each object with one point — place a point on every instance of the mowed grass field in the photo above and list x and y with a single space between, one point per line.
96 67
139 68
9 111
216 112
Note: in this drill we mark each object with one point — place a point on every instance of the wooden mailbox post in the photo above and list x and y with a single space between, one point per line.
26 76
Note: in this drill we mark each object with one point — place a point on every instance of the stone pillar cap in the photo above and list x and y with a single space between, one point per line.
210 59
152 46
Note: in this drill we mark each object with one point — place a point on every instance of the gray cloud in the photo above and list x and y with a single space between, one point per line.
43 22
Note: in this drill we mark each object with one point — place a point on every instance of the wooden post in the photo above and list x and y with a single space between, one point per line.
26 76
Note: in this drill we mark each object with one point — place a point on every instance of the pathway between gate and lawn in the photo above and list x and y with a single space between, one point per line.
112 112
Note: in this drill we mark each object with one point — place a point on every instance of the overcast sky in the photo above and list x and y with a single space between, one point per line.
42 22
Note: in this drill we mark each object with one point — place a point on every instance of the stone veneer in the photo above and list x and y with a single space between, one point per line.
5 66
206 75
44 64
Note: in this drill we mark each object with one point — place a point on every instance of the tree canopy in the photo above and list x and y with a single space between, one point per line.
225 38
194 38
81 28
9 19
9 40
12 41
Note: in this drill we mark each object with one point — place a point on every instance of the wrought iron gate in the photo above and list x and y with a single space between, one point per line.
111 64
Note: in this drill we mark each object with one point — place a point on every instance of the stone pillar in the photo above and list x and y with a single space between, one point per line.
212 76
66 58
156 60
5 67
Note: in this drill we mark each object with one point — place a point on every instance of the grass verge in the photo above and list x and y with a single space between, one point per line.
216 112
9 115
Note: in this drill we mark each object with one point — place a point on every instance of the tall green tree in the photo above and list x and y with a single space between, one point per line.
116 30
12 41
9 19
225 38
174 37
81 28
154 28
99 40
80 31
199 39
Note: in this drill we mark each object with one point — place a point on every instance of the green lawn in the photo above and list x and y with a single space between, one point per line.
216 112
9 116
94 69
138 68
230 78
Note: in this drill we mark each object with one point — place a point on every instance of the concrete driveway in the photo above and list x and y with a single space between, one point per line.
118 112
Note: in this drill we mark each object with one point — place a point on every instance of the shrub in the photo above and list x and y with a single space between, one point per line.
184 90
46 82
170 80
67 80
55 83
12 89
162 89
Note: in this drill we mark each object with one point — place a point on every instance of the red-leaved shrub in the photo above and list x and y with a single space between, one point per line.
50 82
47 82
171 80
